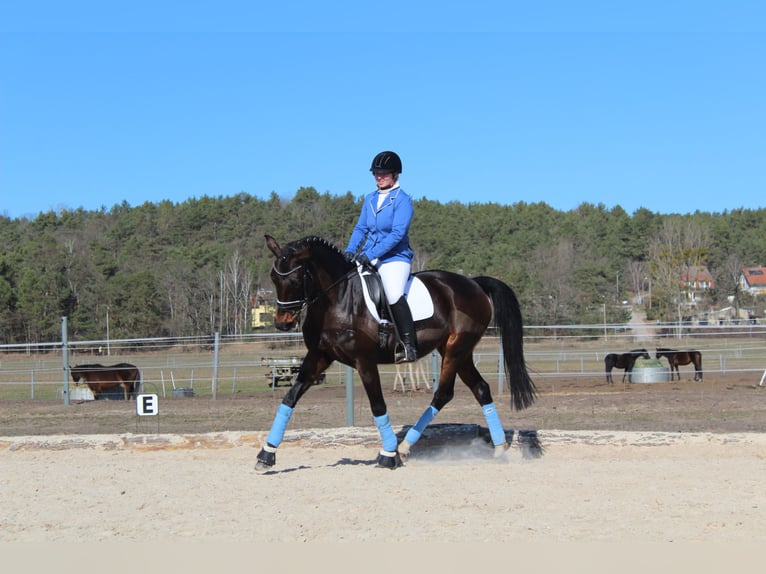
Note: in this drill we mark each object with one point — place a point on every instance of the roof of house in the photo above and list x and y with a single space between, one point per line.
755 276
694 273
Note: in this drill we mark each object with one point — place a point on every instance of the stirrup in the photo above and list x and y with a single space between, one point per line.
405 354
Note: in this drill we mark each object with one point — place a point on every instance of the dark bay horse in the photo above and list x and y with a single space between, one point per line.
623 361
103 378
676 358
313 279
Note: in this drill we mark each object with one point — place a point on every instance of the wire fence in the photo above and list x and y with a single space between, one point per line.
229 365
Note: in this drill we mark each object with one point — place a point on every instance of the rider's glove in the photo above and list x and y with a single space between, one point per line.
363 260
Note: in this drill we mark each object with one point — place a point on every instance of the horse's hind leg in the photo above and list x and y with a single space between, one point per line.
442 396
480 389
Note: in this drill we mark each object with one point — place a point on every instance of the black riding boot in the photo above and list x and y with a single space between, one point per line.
406 352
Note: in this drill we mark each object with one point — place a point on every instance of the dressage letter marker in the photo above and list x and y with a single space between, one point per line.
147 405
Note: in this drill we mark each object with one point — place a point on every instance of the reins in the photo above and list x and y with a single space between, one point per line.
305 302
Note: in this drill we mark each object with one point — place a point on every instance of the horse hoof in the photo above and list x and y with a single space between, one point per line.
265 460
389 462
404 449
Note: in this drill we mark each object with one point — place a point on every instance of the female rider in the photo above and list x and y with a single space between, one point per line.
381 237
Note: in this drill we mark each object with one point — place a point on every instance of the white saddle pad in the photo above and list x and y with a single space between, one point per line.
416 293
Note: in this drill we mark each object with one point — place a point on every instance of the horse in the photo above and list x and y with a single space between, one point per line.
623 361
101 379
314 281
676 358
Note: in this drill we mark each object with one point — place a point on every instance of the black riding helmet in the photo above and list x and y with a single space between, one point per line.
386 162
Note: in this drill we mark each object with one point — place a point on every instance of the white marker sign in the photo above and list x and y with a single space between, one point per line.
147 405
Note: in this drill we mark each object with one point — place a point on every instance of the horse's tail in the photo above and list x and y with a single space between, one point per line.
138 382
507 317
134 379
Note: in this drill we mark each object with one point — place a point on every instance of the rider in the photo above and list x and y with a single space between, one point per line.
381 236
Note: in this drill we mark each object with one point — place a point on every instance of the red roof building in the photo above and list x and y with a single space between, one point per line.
753 280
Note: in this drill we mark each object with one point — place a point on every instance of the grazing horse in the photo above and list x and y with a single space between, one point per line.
312 277
676 358
623 361
101 378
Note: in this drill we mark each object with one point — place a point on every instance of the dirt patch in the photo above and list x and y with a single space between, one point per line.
722 403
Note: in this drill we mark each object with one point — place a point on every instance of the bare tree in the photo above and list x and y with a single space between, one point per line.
636 273
733 267
237 285
678 247
553 265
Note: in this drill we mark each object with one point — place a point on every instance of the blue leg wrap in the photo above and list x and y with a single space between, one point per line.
413 434
387 435
493 422
277 432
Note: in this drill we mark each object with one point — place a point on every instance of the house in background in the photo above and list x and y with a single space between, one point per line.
696 280
753 280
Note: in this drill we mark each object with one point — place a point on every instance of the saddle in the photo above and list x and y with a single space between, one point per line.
415 293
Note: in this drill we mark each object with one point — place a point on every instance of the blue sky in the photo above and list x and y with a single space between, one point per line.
654 104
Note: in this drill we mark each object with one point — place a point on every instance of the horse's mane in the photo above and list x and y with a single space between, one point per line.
312 240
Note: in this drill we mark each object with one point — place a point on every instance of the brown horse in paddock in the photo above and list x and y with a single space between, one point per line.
102 378
623 361
676 358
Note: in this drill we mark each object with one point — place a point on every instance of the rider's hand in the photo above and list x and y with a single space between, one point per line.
363 260
349 256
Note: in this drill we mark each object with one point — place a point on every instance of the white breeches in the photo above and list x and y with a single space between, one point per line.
394 276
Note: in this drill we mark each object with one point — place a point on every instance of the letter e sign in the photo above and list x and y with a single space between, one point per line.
147 405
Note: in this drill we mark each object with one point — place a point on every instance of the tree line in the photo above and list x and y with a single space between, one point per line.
194 268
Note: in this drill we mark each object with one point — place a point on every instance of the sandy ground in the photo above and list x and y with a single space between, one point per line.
634 486
627 464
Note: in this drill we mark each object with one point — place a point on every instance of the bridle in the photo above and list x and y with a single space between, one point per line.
298 305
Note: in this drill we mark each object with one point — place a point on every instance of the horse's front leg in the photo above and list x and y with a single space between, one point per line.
311 368
388 456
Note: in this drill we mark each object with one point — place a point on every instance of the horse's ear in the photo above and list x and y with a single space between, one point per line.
273 245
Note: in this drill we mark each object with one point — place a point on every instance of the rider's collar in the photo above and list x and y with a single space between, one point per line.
388 189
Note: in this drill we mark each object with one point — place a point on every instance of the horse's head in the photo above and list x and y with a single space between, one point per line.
298 272
80 371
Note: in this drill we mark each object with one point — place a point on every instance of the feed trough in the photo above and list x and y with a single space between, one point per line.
649 371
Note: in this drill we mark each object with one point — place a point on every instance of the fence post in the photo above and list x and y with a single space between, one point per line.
65 359
349 396
215 366
435 369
